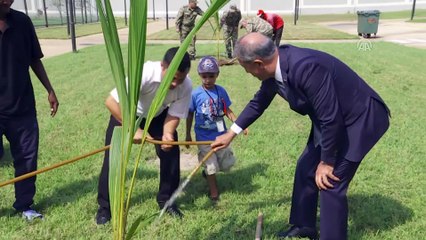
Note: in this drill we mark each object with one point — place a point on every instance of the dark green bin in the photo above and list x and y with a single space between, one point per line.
368 22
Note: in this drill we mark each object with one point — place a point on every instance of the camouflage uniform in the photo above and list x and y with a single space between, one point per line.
257 24
229 23
185 21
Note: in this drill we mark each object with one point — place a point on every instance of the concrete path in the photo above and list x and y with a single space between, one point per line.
396 31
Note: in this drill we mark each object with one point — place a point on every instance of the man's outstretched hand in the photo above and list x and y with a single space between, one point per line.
223 140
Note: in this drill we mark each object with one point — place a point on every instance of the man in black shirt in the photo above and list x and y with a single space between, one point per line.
19 50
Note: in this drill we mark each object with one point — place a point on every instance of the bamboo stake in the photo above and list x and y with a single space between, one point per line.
102 149
56 165
259 226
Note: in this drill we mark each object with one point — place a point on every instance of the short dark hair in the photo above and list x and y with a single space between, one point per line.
185 64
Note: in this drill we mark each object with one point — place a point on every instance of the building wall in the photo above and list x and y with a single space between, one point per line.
248 7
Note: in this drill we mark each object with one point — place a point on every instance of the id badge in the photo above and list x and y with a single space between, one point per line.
220 126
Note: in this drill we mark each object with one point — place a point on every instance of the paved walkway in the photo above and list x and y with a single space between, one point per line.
397 31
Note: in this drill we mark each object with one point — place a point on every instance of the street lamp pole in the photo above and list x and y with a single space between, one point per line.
167 14
125 12
72 25
413 10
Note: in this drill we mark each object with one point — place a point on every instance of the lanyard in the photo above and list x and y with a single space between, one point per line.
216 108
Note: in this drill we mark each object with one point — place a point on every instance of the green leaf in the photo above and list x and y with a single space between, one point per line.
115 176
140 223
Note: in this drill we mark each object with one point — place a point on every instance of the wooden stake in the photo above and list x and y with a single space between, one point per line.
259 226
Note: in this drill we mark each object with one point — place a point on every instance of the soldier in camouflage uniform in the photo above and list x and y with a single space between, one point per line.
229 22
257 24
185 21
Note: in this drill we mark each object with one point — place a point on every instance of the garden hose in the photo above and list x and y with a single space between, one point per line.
102 149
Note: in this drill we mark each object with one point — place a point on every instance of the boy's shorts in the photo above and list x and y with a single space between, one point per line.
221 160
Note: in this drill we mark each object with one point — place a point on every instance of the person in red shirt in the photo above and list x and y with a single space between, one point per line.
276 22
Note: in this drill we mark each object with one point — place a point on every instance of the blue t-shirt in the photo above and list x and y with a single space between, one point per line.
209 107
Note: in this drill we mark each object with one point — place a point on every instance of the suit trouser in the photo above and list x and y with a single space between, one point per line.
277 36
23 136
333 202
169 163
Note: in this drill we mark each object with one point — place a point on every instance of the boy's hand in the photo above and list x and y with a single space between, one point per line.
188 139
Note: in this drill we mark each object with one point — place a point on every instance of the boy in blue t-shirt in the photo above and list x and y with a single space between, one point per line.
210 103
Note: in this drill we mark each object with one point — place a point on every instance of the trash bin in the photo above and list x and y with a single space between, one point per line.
368 22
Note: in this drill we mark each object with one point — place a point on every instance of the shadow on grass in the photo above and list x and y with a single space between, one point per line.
230 181
73 191
373 213
367 214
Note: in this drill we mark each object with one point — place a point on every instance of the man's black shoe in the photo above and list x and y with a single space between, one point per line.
174 211
103 216
299 232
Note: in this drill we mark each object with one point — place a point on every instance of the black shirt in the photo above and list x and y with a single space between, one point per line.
19 46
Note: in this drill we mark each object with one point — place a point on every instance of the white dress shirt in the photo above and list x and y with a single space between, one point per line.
177 99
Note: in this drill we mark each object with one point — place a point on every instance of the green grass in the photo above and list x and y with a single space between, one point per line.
306 28
303 30
39 21
386 198
60 32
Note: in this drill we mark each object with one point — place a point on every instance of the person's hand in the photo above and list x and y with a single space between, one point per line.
188 139
323 174
54 104
223 140
246 131
167 137
137 139
177 30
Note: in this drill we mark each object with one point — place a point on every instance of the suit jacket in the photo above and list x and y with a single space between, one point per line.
348 115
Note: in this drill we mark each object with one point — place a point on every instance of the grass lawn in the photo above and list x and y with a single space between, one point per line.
60 32
303 30
386 198
306 28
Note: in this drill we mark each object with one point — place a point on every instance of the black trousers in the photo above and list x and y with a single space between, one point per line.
23 136
169 163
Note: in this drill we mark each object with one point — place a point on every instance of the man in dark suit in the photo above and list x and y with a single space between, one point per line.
348 118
